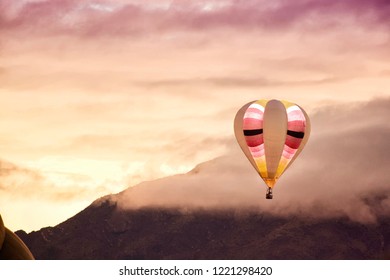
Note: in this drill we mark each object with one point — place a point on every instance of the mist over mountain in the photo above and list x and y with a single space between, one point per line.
333 203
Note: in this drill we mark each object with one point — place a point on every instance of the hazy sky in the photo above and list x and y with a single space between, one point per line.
97 96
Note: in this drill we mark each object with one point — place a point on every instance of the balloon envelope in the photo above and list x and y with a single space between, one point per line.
11 246
271 133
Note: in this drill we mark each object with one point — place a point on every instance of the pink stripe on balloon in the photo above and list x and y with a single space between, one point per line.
250 123
253 109
293 142
257 151
253 115
289 150
253 141
288 153
296 115
298 126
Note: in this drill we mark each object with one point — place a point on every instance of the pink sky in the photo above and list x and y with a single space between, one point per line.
97 96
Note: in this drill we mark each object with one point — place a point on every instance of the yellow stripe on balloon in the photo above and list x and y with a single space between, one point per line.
270 182
262 166
282 166
287 104
262 102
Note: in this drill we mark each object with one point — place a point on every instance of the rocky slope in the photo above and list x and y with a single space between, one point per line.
104 231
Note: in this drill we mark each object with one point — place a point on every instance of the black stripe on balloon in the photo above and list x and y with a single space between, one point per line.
295 134
252 132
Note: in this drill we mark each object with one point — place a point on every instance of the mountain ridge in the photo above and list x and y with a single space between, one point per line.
104 231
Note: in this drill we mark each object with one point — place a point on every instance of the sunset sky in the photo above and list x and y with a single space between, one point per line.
97 96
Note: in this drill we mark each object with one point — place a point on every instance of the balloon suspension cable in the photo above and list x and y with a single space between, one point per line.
269 194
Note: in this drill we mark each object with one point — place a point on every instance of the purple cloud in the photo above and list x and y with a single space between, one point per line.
91 18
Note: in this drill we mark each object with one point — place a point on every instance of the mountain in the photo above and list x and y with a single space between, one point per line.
104 231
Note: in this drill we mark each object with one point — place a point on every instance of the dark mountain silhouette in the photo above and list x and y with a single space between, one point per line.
104 231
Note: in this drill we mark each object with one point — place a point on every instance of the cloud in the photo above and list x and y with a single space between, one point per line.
343 172
18 183
241 45
30 199
233 82
101 18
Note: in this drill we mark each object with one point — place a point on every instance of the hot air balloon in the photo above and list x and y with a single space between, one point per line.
271 133
11 246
